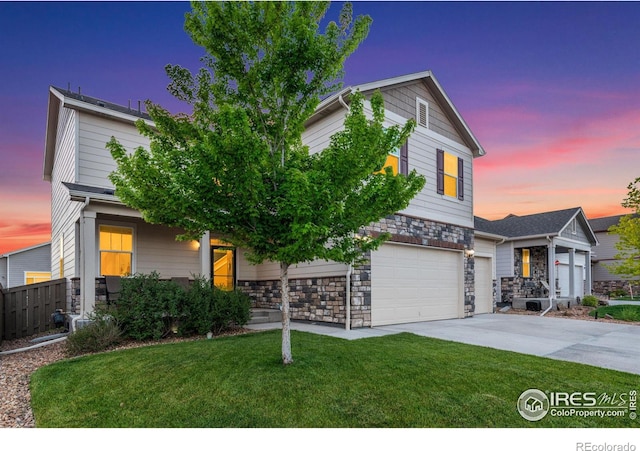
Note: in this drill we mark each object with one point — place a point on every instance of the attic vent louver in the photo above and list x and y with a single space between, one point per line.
422 112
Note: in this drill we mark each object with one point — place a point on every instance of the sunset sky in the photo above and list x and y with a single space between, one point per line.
551 90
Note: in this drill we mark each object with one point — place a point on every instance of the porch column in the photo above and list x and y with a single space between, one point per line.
587 269
551 264
572 273
205 255
87 262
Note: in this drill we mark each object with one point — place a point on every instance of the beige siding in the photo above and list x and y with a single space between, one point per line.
428 203
401 99
64 213
156 249
271 270
318 135
95 162
422 144
485 248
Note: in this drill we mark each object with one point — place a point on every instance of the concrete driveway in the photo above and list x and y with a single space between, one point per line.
607 345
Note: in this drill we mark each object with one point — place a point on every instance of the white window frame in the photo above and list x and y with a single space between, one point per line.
134 247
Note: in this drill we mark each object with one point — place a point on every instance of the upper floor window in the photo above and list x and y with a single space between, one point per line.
116 250
450 178
398 160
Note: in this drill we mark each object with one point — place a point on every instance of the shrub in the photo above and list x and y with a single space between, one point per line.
618 293
195 311
230 308
148 307
97 336
209 309
590 301
629 313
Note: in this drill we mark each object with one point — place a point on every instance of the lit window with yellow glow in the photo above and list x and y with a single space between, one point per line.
116 250
36 277
392 161
450 179
450 175
526 263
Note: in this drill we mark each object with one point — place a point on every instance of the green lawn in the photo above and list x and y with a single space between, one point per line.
628 312
393 381
627 298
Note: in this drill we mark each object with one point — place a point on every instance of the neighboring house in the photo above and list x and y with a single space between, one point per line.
26 266
542 256
426 271
604 282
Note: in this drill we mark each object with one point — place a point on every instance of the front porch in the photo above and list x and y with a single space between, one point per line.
558 270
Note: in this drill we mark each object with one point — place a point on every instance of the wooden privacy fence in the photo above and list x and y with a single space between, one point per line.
26 310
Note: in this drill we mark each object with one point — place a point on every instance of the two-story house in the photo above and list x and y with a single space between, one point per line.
426 271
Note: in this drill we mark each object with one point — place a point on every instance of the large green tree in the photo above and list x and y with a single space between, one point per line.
628 231
236 165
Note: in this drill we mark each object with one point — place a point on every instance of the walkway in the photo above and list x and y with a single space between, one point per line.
607 345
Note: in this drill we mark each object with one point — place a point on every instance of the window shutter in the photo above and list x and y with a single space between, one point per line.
440 170
404 159
460 179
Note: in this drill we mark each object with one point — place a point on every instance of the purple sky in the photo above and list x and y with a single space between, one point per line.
551 90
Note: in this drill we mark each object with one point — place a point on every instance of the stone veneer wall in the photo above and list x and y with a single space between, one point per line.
526 287
411 230
605 287
313 299
323 299
101 293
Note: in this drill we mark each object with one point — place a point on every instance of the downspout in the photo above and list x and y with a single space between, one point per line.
343 103
347 299
551 279
83 252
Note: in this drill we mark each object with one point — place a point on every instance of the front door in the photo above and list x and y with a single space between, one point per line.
223 267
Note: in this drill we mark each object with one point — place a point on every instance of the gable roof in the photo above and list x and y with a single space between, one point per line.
603 224
549 223
25 249
336 101
59 97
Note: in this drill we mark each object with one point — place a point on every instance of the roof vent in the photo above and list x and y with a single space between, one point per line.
422 112
100 103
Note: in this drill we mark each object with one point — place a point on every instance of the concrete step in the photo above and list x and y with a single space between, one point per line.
264 315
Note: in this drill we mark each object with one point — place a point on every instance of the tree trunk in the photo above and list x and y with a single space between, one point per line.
286 332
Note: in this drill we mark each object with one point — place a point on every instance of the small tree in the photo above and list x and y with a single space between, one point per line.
628 231
237 166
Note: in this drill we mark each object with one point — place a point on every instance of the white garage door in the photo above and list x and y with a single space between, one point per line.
413 283
563 276
484 285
